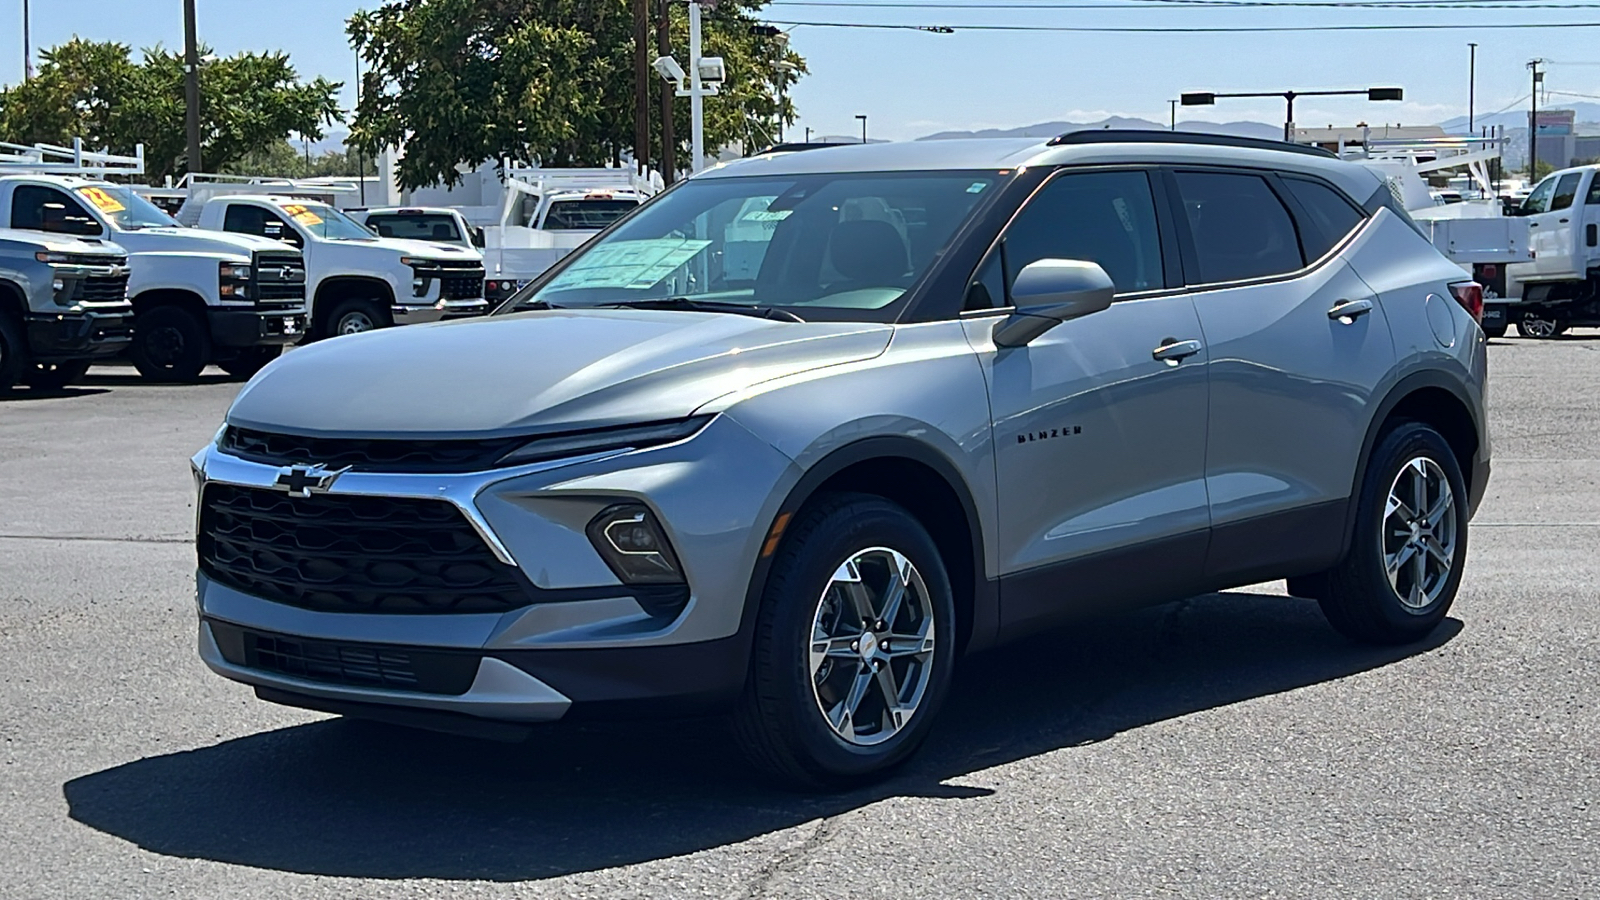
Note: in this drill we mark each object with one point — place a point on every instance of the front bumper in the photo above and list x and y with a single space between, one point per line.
83 335
585 644
254 327
439 311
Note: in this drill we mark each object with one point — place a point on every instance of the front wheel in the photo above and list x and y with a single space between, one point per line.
355 317
855 643
1540 326
250 360
13 353
170 345
1410 542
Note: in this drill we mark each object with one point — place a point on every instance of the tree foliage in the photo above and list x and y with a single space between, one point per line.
285 159
457 82
96 91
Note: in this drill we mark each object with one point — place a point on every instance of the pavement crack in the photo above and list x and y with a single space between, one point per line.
113 539
788 857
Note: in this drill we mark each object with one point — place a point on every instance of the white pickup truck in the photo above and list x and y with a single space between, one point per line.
356 280
1560 286
198 297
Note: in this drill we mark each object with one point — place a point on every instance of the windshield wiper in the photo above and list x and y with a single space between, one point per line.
743 309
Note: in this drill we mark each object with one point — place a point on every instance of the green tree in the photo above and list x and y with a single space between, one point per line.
285 160
96 91
456 82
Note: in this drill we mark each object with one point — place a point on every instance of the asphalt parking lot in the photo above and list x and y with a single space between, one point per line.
1226 746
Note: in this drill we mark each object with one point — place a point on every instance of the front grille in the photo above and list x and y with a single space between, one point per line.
280 278
103 289
357 665
461 287
368 455
353 554
96 260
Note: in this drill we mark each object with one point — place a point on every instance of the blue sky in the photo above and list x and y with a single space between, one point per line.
912 83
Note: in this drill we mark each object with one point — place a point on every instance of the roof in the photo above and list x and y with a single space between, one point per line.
1081 148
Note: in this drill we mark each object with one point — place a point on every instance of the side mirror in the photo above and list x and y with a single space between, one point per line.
477 238
1049 292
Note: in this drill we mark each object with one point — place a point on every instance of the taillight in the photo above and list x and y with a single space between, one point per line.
1470 295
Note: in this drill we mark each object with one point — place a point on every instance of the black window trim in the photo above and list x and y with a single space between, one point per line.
1273 177
1166 233
1298 211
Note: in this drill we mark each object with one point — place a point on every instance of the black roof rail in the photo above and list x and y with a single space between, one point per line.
1149 136
797 146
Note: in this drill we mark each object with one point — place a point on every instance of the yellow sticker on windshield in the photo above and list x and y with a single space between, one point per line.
102 200
302 215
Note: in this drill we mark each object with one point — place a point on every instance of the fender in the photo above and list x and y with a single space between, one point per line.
985 623
1431 378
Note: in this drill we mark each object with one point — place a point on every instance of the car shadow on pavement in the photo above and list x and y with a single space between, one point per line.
130 378
346 798
19 396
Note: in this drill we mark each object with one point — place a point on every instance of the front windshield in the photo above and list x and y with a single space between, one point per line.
125 209
804 243
326 222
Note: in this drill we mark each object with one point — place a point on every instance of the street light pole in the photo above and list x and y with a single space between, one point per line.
696 96
641 85
191 88
863 128
1209 98
1472 86
1533 119
669 138
27 44
1172 110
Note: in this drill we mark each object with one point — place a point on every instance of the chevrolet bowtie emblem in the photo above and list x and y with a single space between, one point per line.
303 481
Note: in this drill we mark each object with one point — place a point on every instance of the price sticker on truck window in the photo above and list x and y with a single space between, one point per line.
102 200
302 215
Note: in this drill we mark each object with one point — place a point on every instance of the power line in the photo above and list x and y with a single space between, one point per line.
1178 29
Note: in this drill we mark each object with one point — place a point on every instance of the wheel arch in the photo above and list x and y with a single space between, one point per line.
339 287
1434 399
188 300
11 301
930 487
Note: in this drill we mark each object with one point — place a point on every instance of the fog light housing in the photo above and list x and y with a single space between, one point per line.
419 286
631 541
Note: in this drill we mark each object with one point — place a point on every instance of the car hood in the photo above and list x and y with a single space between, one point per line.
423 249
31 242
197 240
538 372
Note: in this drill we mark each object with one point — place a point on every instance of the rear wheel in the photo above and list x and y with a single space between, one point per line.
355 317
170 344
248 361
1409 546
55 376
855 643
13 352
1540 325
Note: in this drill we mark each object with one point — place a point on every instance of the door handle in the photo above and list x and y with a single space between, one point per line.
1533 224
1347 311
1175 351
1562 221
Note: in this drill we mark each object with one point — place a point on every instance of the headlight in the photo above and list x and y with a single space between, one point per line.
53 258
631 437
633 544
234 272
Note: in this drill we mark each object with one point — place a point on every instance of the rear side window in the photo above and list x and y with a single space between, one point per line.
416 226
1332 216
1103 217
1241 229
584 215
40 208
1566 191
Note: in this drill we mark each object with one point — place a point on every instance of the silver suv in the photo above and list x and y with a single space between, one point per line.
794 436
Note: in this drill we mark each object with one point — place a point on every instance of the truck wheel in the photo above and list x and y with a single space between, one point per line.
354 317
249 361
1495 331
170 345
1409 546
1537 326
13 353
55 376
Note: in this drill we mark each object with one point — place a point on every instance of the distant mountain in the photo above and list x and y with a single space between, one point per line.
1051 129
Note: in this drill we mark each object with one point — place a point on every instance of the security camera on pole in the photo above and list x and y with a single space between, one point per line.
705 77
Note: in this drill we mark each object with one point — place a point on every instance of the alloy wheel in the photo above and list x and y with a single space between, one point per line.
355 323
1419 533
872 646
1535 327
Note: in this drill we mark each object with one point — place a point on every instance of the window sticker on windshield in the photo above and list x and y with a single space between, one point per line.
633 265
977 187
302 215
102 200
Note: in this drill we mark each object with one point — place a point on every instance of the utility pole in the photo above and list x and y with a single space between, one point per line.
863 128
697 100
1533 119
27 44
669 138
1172 109
191 88
641 85
1472 85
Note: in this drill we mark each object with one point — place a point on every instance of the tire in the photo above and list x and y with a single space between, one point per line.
1540 327
1360 597
170 345
791 720
250 360
1495 331
55 376
13 352
354 317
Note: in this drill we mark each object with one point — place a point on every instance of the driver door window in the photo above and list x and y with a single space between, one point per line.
244 219
40 208
1539 200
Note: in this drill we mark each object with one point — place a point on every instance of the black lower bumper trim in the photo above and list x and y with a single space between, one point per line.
641 682
432 720
252 327
79 335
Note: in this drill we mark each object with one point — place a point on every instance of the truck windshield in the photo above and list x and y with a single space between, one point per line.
587 213
416 226
124 209
820 246
326 222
